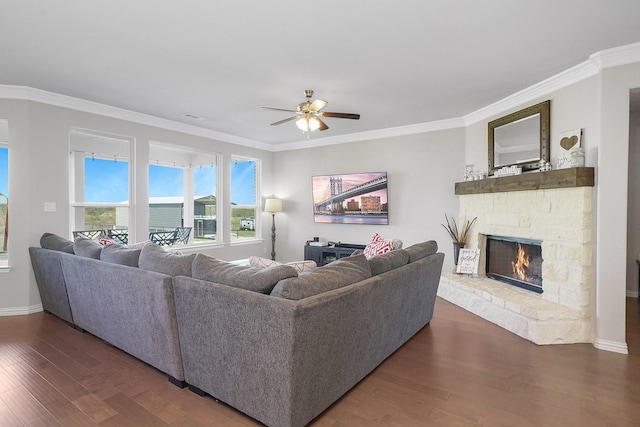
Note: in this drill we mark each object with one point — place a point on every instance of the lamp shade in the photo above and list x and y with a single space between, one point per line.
273 205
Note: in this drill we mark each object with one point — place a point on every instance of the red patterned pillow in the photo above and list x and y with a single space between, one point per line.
377 246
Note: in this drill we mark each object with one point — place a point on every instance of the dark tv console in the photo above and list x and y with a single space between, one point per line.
325 254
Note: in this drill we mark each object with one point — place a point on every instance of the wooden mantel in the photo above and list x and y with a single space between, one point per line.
560 178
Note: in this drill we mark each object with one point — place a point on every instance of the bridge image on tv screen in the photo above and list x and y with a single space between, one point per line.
354 198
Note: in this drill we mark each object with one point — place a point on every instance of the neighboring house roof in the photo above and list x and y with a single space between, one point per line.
205 200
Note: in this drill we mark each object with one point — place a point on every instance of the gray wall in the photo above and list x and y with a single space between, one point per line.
422 170
39 173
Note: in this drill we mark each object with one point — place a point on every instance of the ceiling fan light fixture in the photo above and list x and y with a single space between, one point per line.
308 123
314 124
303 124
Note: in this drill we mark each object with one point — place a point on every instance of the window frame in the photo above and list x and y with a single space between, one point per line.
189 184
4 144
77 156
257 200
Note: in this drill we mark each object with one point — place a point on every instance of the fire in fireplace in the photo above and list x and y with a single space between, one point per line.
515 261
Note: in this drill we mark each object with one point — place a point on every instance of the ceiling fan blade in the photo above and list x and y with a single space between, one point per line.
279 109
317 105
323 125
284 121
352 116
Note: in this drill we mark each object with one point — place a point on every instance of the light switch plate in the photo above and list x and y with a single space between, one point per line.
49 206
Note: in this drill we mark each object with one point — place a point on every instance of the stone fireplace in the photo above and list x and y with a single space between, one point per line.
551 212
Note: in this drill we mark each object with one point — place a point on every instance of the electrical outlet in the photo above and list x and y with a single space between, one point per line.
49 206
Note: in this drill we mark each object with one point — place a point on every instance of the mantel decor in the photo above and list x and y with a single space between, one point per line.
560 178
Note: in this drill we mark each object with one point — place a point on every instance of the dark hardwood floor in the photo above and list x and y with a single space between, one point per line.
458 371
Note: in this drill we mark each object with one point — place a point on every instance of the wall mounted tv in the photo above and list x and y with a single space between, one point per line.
353 198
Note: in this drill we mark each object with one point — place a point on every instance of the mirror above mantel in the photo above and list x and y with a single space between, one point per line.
520 138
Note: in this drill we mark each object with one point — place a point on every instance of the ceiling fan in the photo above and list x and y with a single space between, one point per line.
308 114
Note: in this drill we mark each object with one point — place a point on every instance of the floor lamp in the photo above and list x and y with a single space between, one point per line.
273 206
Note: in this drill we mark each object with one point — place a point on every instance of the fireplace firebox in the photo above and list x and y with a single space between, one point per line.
515 261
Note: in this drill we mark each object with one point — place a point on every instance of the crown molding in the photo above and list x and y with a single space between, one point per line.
374 134
617 56
614 57
64 101
566 78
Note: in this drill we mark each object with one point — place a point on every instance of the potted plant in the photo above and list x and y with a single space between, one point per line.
459 236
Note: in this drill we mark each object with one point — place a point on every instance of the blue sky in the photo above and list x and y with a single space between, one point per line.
4 173
106 181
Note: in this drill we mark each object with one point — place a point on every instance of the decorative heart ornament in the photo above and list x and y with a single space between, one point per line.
568 142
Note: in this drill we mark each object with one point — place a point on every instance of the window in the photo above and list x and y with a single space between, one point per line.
100 184
244 191
4 193
182 195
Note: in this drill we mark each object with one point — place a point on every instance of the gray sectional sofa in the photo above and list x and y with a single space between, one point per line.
278 345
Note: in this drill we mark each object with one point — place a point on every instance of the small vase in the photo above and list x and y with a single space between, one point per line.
456 251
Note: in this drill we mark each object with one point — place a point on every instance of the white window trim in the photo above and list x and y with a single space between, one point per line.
257 200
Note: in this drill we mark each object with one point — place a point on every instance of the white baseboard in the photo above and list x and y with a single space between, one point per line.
632 294
614 346
19 311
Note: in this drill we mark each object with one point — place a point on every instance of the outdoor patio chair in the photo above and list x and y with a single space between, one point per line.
163 238
182 235
88 234
121 236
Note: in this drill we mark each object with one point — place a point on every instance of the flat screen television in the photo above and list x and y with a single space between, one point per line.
353 198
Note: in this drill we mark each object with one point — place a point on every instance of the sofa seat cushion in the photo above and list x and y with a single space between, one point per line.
56 243
300 266
337 274
240 276
422 250
119 254
155 258
388 261
88 248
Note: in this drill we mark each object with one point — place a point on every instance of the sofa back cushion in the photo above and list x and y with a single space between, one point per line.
337 274
118 254
155 258
87 248
422 250
56 243
388 261
240 276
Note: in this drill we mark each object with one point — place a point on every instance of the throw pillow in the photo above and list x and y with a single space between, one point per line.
155 258
240 276
335 275
422 250
56 243
259 262
300 266
87 248
379 246
118 254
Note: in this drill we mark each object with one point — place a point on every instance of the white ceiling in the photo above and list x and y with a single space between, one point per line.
395 63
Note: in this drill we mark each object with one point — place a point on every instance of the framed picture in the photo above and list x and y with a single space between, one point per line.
568 140
353 198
